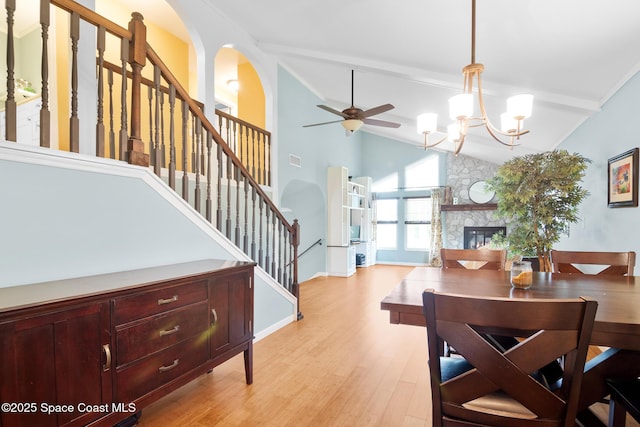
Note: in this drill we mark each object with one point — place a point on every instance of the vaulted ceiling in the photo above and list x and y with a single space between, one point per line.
571 54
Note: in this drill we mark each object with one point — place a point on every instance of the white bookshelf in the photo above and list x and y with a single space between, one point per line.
348 204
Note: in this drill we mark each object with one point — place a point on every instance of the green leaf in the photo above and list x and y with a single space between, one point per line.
538 195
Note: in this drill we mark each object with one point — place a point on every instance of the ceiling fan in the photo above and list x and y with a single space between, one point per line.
354 118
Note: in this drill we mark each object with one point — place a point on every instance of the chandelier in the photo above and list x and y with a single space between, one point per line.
461 109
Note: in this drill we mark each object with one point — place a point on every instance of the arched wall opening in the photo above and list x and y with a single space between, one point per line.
246 100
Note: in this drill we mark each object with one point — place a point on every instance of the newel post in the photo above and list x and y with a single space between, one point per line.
295 241
137 60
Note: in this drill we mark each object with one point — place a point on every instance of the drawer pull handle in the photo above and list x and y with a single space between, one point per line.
215 317
168 367
168 300
170 331
107 358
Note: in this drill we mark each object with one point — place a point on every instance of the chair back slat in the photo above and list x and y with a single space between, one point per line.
475 259
612 263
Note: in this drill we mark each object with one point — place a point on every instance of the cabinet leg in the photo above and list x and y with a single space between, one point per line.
248 363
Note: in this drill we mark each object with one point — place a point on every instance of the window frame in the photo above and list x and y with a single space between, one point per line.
415 222
387 222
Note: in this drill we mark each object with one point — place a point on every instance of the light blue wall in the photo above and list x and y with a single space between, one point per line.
383 156
319 146
303 190
608 133
308 202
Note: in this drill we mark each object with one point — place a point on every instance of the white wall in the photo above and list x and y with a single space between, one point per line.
608 133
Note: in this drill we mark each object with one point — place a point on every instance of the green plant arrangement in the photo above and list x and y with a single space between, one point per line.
539 195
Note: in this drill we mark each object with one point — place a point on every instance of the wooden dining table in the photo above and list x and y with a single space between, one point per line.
617 322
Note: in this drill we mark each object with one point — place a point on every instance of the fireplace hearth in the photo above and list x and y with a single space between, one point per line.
477 237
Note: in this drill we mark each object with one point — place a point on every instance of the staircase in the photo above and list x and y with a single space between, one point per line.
221 169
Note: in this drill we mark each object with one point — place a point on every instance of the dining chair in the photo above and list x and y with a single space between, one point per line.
617 263
487 386
476 259
624 398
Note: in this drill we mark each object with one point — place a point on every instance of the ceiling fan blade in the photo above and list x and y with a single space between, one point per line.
323 123
331 110
382 123
377 110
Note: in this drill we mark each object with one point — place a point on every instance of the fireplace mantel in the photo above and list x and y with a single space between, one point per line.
470 207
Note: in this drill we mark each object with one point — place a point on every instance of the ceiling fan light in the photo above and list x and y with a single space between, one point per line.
427 123
461 106
352 125
508 123
520 106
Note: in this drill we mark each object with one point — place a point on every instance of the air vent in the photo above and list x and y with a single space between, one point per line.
295 160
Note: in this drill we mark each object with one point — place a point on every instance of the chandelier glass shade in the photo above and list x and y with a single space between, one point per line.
461 107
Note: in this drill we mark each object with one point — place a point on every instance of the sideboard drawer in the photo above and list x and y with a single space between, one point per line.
150 373
152 334
145 304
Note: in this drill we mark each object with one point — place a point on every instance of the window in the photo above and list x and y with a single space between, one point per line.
417 223
387 223
403 208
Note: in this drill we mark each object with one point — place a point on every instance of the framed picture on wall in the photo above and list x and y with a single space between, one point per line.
623 180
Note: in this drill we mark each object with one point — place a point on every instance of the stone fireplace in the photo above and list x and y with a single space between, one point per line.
477 237
462 172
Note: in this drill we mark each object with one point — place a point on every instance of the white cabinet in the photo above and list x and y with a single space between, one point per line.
349 222
341 260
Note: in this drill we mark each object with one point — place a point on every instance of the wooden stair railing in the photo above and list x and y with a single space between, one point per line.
182 143
250 143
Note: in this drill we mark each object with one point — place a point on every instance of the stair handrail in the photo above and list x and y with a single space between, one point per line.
316 243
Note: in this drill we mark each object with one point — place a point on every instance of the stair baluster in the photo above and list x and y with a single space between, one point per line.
172 138
100 125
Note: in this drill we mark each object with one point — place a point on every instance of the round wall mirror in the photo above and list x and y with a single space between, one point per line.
479 193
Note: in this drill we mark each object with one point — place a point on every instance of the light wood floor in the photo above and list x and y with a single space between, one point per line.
344 364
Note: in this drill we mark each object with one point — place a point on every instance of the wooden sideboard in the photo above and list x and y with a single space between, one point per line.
96 350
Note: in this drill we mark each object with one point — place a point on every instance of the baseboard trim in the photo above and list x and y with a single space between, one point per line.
271 329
